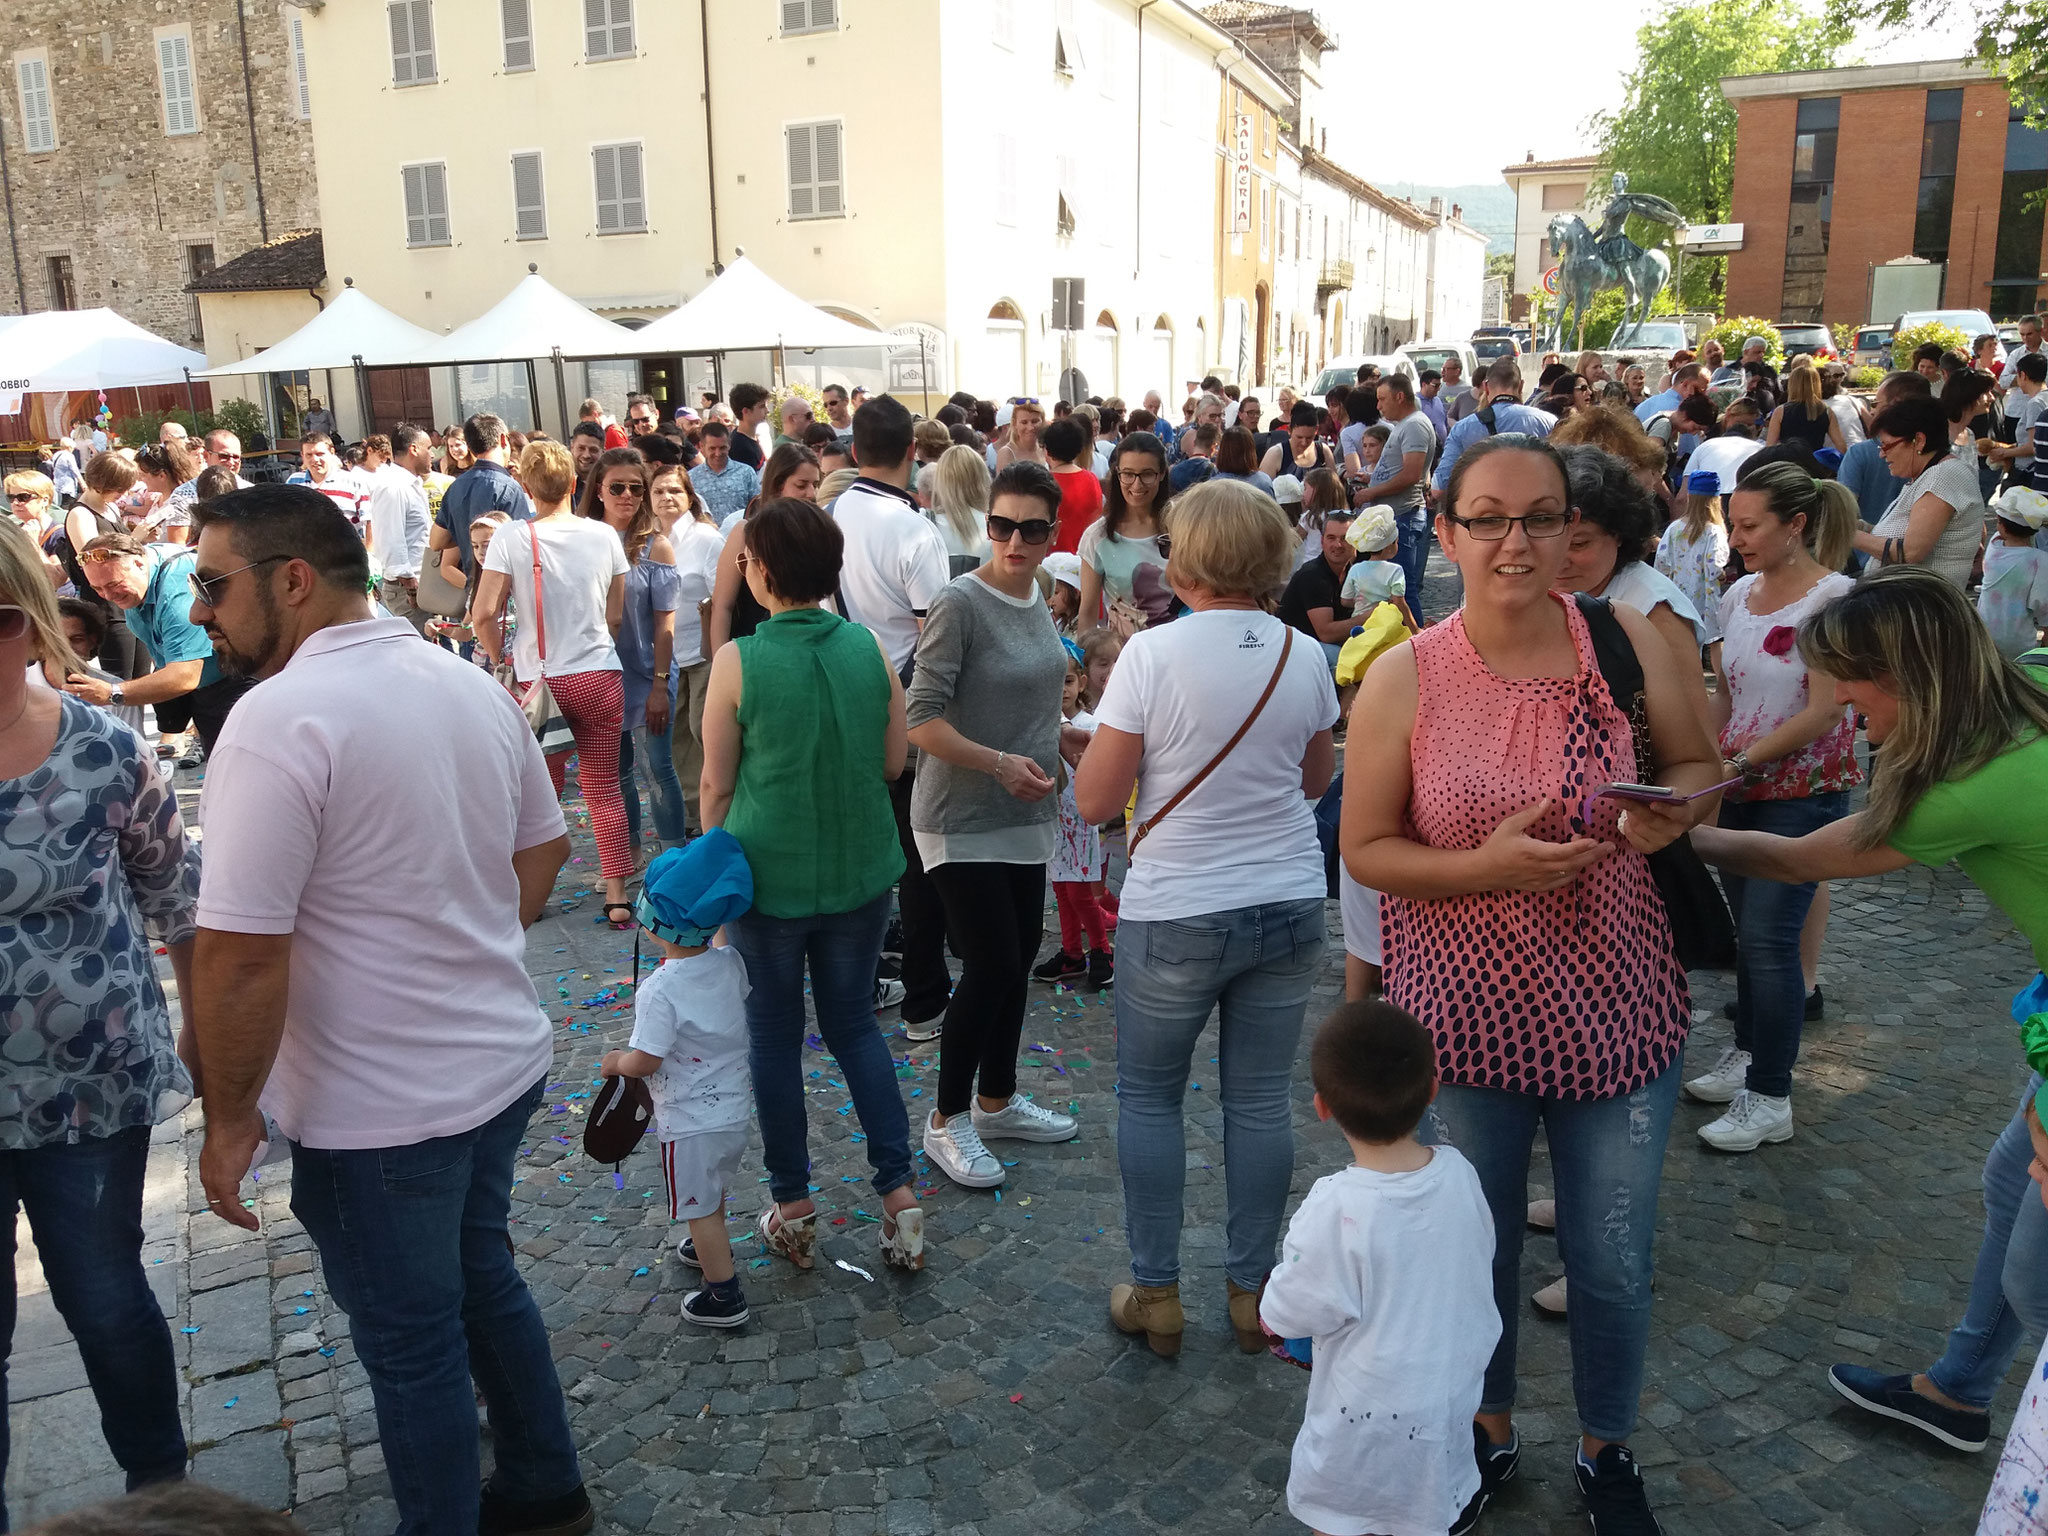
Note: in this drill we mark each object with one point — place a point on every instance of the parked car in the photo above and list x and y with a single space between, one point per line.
2008 334
1425 355
1495 343
1971 322
1344 370
1872 347
1659 338
1802 340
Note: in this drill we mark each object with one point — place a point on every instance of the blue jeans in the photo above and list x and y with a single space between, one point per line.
415 1247
1256 965
841 949
2009 1290
1770 991
84 1205
1607 1160
650 752
1414 558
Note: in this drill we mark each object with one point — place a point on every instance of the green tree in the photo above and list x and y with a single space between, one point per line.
2011 37
1501 265
1674 133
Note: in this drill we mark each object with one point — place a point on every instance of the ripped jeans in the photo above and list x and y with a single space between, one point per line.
1607 1160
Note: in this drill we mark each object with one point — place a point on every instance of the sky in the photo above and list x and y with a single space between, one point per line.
1402 63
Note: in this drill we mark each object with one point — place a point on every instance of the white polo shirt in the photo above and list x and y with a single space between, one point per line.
398 521
894 565
367 800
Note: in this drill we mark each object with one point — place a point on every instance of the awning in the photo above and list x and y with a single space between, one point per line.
534 320
354 325
745 310
78 349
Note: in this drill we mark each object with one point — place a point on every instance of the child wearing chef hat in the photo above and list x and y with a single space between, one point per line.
2013 602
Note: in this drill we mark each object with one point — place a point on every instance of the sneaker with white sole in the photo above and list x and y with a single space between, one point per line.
888 993
1752 1119
924 1030
1022 1120
1729 1077
957 1148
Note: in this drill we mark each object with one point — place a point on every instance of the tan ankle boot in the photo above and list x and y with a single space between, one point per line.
1244 1318
1153 1310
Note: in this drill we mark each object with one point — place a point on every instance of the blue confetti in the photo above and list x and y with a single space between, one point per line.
231 1402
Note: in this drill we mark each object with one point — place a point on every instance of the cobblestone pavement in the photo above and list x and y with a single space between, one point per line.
990 1395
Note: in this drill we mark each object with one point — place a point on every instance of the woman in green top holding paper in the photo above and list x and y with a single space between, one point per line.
1965 738
803 731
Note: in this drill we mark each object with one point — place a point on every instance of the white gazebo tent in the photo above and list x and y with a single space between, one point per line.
536 319
55 352
743 309
354 329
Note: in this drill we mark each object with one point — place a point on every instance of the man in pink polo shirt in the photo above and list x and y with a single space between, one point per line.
380 829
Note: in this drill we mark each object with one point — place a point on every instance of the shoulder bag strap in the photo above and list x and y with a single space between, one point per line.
540 623
1144 828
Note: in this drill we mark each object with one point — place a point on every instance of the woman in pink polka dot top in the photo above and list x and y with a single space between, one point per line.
1523 927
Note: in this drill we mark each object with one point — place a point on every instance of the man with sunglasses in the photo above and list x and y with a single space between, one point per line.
643 417
330 887
837 413
224 450
152 586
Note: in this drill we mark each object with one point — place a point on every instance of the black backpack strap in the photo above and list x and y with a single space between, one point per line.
1486 418
1612 650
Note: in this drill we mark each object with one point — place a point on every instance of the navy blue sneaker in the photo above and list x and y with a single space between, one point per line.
688 1253
708 1309
1893 1397
1614 1494
1498 1465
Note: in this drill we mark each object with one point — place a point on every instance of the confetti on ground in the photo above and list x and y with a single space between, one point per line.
855 1269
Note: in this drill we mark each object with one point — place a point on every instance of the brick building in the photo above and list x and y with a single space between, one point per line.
1841 170
143 145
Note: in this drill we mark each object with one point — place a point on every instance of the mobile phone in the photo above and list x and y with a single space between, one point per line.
1648 794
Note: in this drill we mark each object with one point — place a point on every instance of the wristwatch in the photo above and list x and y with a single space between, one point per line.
1740 763
115 696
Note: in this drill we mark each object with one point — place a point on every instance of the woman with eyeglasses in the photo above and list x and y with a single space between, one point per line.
984 714
616 491
1938 519
572 607
99 872
1467 807
30 505
1123 553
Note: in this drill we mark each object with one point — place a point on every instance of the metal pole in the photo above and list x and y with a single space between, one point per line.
362 393
533 395
191 400
561 392
924 373
718 374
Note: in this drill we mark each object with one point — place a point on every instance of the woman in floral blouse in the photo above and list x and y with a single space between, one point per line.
96 869
1795 750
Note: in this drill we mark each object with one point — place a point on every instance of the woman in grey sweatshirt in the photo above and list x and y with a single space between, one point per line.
984 714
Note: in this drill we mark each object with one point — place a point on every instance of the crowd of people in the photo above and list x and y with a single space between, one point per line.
883 680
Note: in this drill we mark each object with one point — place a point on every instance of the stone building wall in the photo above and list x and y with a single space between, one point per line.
132 207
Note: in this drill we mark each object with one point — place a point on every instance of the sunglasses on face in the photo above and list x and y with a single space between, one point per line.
625 488
23 496
13 622
641 421
205 589
1035 530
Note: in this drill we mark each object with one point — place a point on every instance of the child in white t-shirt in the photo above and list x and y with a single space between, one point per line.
2013 602
1388 1268
1375 577
690 1041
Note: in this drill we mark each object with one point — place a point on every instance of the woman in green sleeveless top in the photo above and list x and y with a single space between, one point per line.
803 731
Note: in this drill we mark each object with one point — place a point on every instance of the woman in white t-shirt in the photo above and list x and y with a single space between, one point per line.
1938 519
1216 823
697 544
582 599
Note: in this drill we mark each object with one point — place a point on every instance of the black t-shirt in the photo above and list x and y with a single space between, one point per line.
1315 585
746 450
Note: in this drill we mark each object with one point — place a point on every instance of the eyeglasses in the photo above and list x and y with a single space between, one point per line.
625 488
23 496
1034 530
202 589
640 421
13 622
227 458
100 556
1491 528
1139 476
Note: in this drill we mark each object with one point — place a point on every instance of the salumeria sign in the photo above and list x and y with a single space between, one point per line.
1241 176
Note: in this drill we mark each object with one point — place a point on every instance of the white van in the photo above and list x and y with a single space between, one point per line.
1344 370
1427 355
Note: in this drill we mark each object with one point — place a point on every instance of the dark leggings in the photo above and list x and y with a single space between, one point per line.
995 915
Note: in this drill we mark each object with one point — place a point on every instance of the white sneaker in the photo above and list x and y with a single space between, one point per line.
1022 1120
888 993
956 1147
1727 1079
1752 1119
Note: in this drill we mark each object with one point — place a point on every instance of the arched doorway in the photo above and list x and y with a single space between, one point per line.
993 362
1262 333
1104 356
1160 364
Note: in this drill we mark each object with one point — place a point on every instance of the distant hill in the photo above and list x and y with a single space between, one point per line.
1489 209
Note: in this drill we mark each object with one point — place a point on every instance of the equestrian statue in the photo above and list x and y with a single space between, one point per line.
1589 262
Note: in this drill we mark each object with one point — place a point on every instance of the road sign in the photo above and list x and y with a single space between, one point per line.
1550 282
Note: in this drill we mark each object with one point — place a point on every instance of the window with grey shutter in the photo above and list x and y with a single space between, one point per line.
607 29
799 16
38 118
516 17
817 188
529 198
412 42
621 193
426 204
174 72
302 85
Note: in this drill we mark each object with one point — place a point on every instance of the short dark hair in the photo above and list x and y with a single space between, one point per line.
1400 384
661 451
1304 414
1551 373
214 481
1140 420
1430 375
1698 410
1024 478
883 433
482 432
1920 417
633 400
1065 439
713 429
951 414
1237 453
1905 384
1211 385
294 522
1608 495
1366 371
799 548
818 434
1375 1067
1504 373
745 397
404 435
2033 366
1362 403
93 619
1686 373
587 429
1927 352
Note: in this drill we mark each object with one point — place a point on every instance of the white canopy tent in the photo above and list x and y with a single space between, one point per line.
743 309
535 319
354 328
78 349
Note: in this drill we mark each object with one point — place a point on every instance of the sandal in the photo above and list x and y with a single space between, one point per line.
619 906
792 1239
903 1239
